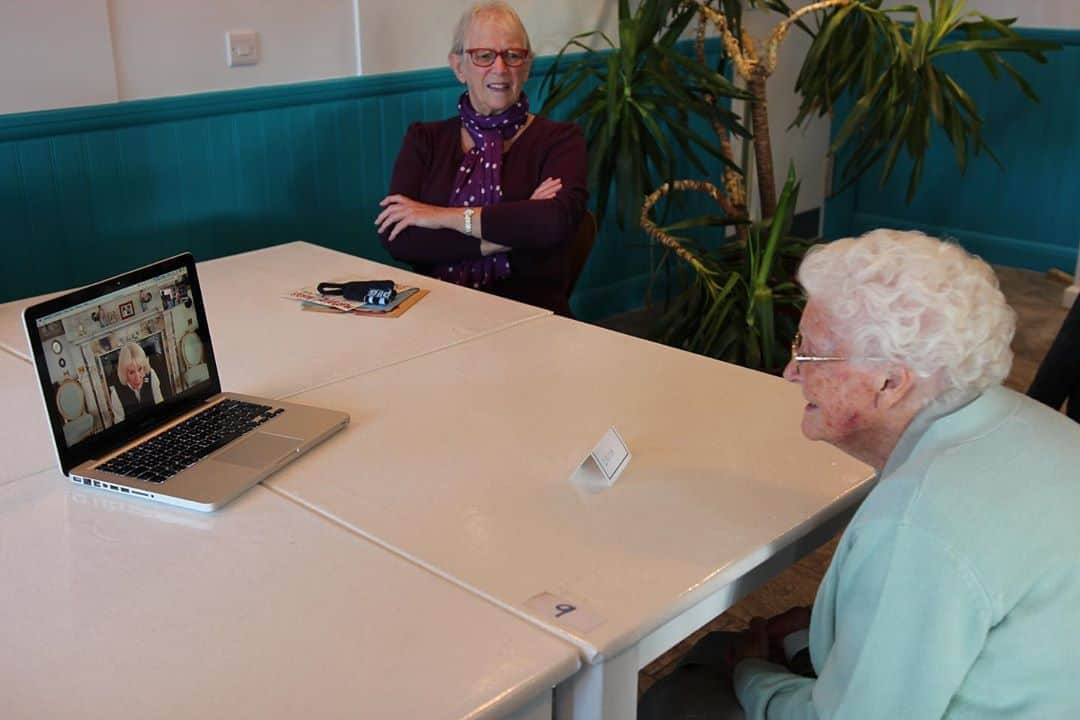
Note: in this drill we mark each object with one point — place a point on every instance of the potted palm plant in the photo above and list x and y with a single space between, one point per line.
885 61
638 101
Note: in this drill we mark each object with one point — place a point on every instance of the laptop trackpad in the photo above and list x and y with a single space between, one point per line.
260 450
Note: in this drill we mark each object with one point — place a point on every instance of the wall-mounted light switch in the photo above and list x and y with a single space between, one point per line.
241 47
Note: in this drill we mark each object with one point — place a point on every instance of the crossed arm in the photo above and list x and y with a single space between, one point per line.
417 227
400 212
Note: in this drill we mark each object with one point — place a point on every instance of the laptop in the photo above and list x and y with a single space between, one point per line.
131 389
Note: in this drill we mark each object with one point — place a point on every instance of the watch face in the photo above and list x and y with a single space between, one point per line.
57 346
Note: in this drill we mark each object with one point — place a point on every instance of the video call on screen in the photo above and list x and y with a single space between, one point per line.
116 357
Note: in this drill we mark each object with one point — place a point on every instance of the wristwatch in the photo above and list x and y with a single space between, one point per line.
468 220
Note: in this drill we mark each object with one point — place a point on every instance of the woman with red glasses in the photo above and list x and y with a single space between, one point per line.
491 198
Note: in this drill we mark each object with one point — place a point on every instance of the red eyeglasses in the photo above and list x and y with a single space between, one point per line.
485 57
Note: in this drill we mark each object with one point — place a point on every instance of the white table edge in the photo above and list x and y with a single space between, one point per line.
710 600
588 652
693 607
607 687
530 699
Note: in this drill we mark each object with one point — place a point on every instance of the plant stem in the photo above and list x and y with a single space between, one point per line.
733 181
667 240
759 119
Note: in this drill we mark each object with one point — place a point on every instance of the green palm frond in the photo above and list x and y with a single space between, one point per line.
892 72
742 305
638 103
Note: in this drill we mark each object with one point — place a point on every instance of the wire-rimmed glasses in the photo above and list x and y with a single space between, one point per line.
798 357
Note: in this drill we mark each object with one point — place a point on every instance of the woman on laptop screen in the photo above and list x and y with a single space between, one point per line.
138 387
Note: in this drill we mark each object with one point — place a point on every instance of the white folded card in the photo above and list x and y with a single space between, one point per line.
606 462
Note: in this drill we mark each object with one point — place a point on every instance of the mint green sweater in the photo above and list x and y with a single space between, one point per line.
955 590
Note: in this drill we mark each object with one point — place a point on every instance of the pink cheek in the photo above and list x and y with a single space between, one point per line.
847 422
842 418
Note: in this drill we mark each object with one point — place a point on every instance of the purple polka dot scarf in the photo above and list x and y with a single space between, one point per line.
478 183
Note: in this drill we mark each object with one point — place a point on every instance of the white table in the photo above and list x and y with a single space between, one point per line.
25 443
266 345
460 460
117 607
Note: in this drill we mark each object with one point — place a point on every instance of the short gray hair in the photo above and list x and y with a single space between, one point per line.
485 7
925 303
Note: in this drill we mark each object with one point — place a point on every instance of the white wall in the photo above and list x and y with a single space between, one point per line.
392 39
59 53
175 47
54 53
65 53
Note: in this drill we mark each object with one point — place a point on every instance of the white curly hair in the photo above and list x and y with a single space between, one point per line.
922 302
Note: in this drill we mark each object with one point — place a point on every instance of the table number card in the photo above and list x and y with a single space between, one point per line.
606 461
568 614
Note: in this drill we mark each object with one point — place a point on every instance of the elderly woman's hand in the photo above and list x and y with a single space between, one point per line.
750 643
547 189
400 212
780 626
787 622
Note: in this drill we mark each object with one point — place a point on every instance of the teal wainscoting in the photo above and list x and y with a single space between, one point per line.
1021 214
89 192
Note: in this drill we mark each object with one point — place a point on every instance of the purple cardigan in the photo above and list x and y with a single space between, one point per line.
537 231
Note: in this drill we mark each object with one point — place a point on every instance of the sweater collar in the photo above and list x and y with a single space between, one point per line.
951 425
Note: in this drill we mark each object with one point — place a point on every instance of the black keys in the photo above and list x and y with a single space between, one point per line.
164 455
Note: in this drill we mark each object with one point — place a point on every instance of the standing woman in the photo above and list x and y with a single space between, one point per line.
490 199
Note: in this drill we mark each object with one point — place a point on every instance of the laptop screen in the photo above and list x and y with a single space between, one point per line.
118 357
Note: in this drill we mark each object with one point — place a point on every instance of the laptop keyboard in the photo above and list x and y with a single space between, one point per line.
164 455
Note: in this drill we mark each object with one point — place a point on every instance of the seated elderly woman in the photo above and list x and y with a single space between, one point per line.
955 590
491 198
139 386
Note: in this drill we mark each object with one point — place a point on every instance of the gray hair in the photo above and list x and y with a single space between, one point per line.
923 302
485 7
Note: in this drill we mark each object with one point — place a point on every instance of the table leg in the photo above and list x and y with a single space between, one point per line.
537 709
604 691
